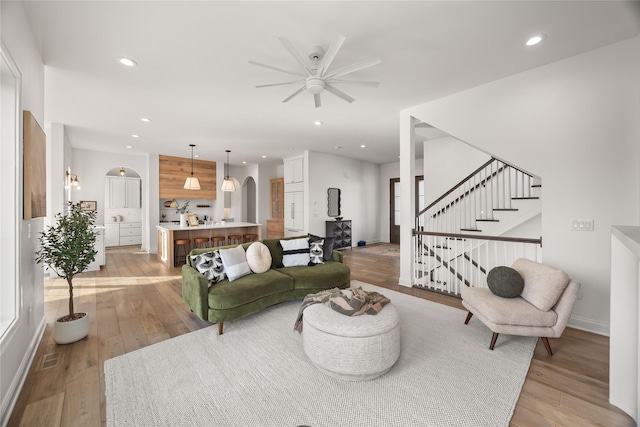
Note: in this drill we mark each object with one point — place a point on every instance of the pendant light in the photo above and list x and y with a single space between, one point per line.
227 183
192 182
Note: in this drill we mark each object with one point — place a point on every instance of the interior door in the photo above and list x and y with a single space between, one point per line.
395 205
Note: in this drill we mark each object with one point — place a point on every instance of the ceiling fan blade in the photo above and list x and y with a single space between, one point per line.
354 67
295 73
330 55
280 84
292 50
339 93
295 93
355 82
316 98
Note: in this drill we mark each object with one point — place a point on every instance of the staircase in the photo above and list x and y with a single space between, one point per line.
459 237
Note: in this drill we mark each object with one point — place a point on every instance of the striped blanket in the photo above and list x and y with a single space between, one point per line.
351 302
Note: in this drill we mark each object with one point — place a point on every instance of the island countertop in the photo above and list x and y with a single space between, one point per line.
169 232
176 227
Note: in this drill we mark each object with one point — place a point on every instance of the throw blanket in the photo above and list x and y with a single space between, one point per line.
353 302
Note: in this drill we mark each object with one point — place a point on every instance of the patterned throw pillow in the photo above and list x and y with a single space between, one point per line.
235 262
316 252
295 252
328 245
210 265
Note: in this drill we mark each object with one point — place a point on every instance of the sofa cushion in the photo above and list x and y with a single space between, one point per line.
295 252
258 257
502 311
210 265
246 289
543 285
322 276
235 262
505 282
327 248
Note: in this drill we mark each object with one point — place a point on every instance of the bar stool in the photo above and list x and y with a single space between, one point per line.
177 244
250 237
235 238
201 242
217 240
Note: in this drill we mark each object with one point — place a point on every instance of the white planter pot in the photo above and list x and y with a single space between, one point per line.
68 332
183 220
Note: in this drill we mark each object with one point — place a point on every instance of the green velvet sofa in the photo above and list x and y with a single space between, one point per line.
246 295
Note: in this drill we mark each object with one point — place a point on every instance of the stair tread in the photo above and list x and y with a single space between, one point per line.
525 198
488 219
477 230
504 209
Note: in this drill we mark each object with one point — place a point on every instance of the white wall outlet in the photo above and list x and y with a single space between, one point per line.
582 225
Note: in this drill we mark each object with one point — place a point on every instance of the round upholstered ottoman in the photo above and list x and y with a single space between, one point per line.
351 348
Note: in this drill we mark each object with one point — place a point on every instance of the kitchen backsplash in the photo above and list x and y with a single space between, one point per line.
122 215
199 207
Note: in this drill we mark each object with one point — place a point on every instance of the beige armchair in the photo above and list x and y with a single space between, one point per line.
542 310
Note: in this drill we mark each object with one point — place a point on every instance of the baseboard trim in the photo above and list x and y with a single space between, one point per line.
589 325
21 375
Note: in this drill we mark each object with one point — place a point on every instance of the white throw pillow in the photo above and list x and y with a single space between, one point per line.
295 252
258 257
316 251
235 262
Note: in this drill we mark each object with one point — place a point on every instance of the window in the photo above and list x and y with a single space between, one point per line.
9 143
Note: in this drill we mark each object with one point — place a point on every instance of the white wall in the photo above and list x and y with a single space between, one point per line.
575 123
19 344
92 167
358 183
447 161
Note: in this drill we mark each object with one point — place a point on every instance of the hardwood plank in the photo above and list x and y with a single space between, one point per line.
135 300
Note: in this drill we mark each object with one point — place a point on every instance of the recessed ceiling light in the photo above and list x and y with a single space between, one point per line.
337 147
135 136
145 119
535 40
317 123
264 157
128 146
363 146
244 162
127 61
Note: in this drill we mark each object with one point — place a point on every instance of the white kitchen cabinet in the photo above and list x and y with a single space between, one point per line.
130 233
293 170
122 192
133 193
112 234
294 213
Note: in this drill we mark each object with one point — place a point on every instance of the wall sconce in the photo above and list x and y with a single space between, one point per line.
122 172
71 180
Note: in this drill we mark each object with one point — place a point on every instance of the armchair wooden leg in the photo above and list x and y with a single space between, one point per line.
494 338
547 346
220 325
466 321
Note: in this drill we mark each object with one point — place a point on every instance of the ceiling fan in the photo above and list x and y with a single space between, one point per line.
316 76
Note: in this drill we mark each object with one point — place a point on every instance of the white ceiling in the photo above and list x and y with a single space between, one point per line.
194 81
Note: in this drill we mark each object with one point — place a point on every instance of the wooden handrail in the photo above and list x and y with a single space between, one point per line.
478 237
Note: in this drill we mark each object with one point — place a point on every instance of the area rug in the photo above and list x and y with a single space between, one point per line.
257 374
387 250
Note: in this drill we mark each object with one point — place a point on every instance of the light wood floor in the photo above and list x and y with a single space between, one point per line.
135 301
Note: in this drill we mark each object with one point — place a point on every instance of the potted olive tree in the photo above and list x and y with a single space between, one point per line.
68 249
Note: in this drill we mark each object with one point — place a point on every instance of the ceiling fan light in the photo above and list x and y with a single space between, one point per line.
315 85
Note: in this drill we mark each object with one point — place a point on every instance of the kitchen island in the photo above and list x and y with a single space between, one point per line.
168 232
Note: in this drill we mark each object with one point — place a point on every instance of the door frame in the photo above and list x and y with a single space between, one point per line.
394 230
